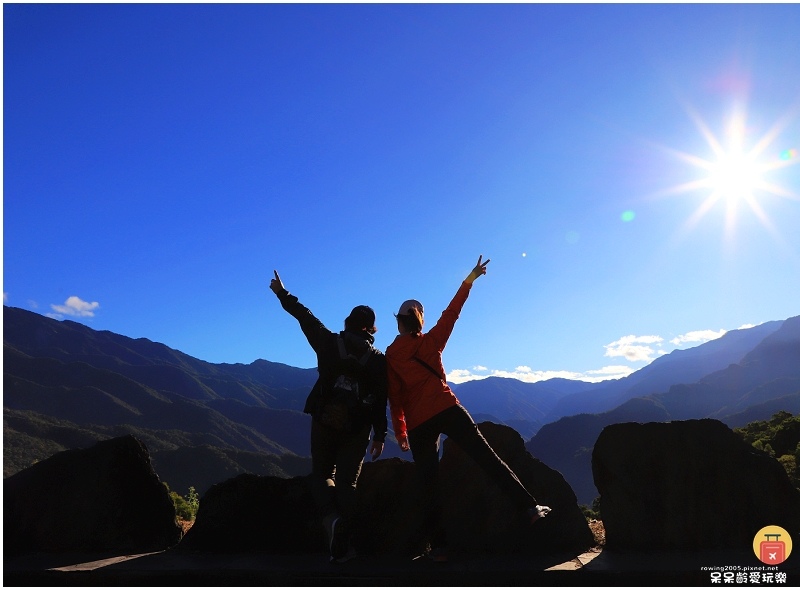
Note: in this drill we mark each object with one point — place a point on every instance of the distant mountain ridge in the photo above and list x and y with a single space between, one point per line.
679 366
68 385
523 406
766 379
261 383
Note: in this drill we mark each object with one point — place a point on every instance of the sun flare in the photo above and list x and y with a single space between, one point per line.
735 176
737 173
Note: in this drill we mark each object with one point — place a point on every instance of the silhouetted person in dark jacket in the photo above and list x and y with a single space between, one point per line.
340 432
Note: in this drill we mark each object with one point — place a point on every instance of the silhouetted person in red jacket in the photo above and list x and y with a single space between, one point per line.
423 407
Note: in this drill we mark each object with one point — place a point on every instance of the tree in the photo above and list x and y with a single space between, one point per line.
778 437
790 465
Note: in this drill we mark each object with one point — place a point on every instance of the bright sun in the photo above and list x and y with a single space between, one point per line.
735 176
738 172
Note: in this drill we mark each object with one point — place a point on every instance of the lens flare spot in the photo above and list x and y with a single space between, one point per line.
572 237
524 254
788 154
627 216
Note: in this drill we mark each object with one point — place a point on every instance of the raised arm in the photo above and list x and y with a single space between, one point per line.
440 333
314 330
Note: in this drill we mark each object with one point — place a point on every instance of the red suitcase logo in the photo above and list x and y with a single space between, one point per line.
772 551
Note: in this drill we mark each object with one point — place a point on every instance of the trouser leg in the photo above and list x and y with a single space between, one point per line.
336 460
323 468
349 460
458 425
424 443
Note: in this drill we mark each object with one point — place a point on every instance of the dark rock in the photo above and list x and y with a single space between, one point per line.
256 513
104 498
277 515
388 508
480 518
691 485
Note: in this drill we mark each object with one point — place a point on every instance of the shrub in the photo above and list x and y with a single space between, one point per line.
185 507
593 512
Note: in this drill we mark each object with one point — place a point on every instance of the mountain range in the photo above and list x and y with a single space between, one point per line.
762 377
66 385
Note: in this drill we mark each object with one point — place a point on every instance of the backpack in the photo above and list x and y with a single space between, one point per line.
343 406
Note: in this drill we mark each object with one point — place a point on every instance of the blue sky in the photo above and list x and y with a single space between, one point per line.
160 161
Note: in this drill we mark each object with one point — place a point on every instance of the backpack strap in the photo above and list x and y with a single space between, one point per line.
342 350
431 369
345 355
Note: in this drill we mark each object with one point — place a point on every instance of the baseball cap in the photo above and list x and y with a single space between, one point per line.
405 308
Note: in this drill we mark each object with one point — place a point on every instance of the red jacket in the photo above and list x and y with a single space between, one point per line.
415 393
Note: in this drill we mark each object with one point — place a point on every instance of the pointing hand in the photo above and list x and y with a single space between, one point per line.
275 284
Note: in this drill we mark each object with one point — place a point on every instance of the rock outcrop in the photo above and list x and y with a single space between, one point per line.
688 486
258 513
104 498
478 516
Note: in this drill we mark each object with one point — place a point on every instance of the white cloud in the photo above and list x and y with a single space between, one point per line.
608 372
528 375
77 307
698 336
461 375
633 348
747 326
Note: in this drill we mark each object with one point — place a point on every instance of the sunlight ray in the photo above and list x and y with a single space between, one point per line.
771 135
691 158
779 191
731 209
759 212
778 164
704 208
686 187
707 134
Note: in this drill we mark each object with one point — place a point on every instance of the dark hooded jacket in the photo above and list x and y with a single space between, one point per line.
325 345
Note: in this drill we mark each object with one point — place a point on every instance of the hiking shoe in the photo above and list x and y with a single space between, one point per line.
538 512
437 555
351 554
340 542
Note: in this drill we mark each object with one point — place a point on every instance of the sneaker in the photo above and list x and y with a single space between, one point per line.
351 554
538 512
339 539
437 555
